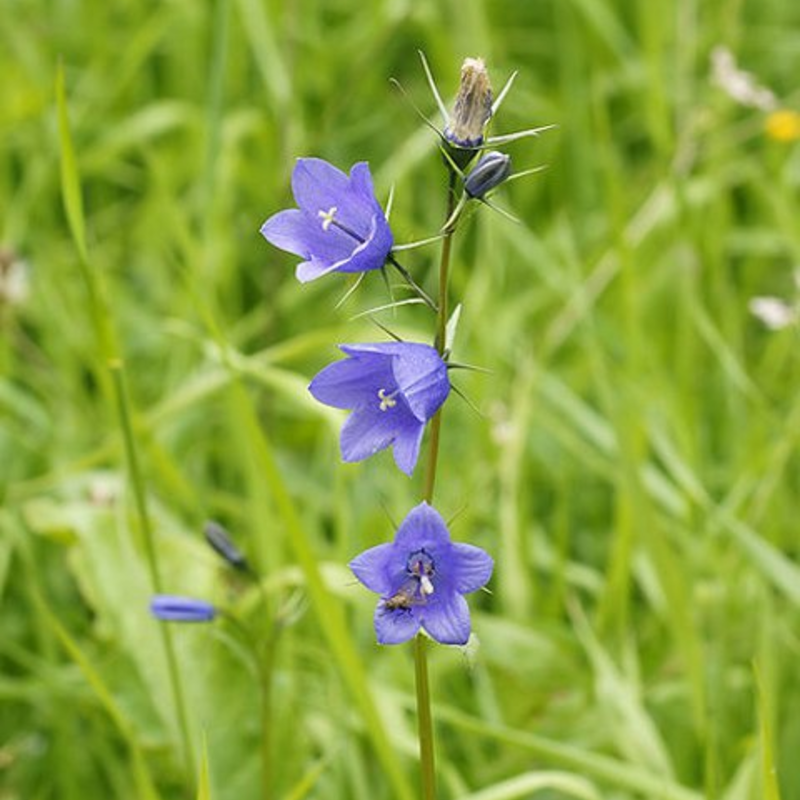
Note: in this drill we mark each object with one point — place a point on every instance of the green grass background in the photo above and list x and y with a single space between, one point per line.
635 473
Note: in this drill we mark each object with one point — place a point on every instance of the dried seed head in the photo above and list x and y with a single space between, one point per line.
473 106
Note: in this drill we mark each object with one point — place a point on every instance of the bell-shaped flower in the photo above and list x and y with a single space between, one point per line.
393 389
338 226
422 577
174 608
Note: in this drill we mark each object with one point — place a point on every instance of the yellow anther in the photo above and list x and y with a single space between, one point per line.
387 401
327 217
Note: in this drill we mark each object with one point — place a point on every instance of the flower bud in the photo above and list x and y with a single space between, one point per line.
220 541
490 171
473 106
172 608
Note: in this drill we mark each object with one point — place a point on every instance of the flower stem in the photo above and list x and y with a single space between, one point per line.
441 327
412 283
116 368
424 717
265 674
424 721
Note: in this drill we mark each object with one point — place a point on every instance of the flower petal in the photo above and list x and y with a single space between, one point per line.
367 431
422 378
318 185
353 382
406 446
372 252
469 568
361 183
395 626
447 620
423 528
373 568
297 232
420 372
313 269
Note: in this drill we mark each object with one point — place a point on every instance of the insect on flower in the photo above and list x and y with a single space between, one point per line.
405 598
422 577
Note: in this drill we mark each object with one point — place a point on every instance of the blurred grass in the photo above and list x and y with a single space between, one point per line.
635 474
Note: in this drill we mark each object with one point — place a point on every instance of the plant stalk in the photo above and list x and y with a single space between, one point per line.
424 717
140 500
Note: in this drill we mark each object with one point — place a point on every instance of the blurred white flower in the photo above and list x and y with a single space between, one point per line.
741 86
14 278
775 312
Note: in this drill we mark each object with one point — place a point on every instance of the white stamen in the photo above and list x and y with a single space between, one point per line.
327 217
387 401
425 585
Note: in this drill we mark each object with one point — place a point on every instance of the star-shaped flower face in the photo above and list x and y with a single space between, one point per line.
421 578
393 389
338 226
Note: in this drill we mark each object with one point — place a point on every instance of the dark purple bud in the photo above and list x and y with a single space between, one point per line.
171 608
220 541
490 171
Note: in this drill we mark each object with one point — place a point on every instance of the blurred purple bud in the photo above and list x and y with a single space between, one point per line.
220 541
171 608
490 171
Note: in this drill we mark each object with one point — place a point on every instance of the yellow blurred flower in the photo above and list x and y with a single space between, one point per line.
783 125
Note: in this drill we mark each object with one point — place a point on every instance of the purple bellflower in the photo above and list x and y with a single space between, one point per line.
172 608
393 389
339 226
421 577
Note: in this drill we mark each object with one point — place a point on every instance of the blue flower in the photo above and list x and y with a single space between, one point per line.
171 608
393 389
421 578
338 226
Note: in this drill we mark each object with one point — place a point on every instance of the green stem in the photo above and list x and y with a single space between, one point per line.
412 283
441 327
265 672
424 717
424 721
140 499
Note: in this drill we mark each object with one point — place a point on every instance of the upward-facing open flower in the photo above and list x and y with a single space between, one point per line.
339 226
422 577
393 389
